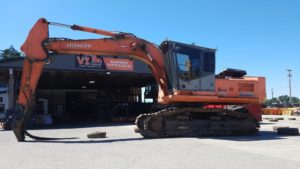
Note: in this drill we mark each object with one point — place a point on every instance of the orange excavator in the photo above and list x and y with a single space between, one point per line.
198 101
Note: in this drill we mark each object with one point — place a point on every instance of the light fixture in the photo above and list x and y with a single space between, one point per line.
108 73
83 87
92 82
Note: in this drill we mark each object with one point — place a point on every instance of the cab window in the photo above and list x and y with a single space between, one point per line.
188 62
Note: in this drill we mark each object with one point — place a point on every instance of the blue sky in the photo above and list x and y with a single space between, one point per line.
260 36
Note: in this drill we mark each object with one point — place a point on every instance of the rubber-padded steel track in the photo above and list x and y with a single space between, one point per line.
195 122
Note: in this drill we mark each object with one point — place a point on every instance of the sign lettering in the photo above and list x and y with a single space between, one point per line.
89 61
79 45
97 62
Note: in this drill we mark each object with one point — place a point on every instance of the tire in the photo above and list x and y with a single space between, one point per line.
275 128
136 129
5 126
97 134
2 125
273 120
288 131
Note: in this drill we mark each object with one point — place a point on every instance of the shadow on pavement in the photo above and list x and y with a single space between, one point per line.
266 123
260 136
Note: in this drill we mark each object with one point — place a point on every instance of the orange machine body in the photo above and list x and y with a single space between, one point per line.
245 90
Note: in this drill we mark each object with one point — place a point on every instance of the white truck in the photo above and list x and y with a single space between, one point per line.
3 104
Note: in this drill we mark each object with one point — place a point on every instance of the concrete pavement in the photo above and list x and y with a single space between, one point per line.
124 149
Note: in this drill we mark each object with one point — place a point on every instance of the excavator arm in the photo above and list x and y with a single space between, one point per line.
38 45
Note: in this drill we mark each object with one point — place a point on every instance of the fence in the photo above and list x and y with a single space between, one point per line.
280 111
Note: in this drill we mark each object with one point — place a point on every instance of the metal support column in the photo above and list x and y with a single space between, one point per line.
11 90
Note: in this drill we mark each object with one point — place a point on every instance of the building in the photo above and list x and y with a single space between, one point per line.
84 87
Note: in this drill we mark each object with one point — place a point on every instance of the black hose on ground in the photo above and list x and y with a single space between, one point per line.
47 138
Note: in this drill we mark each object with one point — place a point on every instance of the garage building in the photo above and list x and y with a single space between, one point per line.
86 87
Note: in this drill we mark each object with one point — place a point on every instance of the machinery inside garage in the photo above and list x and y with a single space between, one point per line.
94 97
72 90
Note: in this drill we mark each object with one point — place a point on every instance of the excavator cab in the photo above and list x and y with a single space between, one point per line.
189 67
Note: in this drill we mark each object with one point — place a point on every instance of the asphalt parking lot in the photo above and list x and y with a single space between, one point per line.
124 149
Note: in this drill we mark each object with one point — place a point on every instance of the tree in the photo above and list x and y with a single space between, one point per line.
283 100
10 53
296 100
270 102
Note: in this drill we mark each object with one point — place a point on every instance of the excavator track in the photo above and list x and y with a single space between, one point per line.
196 122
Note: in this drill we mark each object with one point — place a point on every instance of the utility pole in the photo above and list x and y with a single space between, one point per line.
272 100
272 93
290 86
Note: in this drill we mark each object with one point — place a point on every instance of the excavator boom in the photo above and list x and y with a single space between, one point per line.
38 45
